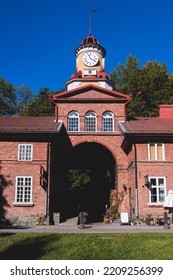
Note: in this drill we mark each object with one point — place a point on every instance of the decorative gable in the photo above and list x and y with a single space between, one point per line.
91 92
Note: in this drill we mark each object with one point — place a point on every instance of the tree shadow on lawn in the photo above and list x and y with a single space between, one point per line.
33 247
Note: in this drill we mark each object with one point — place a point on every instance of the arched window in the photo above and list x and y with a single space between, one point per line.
90 121
73 121
108 121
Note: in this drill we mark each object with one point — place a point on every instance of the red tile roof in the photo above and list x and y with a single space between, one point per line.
147 126
29 125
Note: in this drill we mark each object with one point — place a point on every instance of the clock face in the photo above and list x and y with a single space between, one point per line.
90 58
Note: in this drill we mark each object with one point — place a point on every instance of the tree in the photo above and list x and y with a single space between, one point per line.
24 98
125 78
87 185
155 89
149 86
7 98
41 105
21 101
79 179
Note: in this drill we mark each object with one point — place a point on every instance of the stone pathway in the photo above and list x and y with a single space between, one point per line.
71 226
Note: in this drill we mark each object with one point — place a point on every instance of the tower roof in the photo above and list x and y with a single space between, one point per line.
90 42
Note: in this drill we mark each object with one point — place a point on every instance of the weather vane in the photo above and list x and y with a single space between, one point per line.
91 11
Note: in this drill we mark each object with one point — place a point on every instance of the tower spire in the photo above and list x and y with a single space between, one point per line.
91 11
90 23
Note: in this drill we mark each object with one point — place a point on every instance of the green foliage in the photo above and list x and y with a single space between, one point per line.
126 77
79 179
40 105
21 101
150 86
24 99
7 98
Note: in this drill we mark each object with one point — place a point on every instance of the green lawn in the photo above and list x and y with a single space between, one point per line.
89 246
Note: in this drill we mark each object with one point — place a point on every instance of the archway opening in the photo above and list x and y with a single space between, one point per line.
90 176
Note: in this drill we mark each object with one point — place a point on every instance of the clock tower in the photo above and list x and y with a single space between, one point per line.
90 64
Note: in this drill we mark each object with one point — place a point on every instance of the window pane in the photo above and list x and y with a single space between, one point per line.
152 152
153 195
19 194
21 152
23 189
157 190
27 194
107 121
73 124
90 124
28 152
20 181
161 195
159 152
25 152
73 121
90 121
27 181
153 181
161 182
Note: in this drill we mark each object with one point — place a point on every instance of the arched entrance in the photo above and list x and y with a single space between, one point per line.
90 175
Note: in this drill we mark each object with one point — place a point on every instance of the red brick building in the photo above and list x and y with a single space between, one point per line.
149 145
89 132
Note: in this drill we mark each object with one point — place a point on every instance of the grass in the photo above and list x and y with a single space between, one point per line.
89 246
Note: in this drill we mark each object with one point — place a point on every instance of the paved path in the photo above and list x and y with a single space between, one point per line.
92 228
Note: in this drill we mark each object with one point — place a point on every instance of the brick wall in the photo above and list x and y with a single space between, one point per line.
11 167
99 109
150 169
110 140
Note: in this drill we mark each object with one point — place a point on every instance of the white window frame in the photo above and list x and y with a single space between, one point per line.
156 154
24 192
107 115
90 115
24 156
73 115
157 187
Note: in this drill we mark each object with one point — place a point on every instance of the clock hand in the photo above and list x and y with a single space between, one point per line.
93 59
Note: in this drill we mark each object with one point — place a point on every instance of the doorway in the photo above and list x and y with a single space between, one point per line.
90 176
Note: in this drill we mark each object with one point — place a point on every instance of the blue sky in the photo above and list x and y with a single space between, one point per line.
38 37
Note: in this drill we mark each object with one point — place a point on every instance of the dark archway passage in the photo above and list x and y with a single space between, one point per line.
93 161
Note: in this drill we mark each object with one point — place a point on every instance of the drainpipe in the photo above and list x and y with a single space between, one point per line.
125 107
48 179
136 183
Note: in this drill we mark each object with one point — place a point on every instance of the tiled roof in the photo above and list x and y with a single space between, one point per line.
147 126
29 125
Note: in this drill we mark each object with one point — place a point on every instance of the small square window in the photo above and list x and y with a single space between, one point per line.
25 152
156 152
